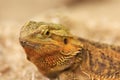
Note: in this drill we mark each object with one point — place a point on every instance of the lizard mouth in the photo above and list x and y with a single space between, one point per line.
25 43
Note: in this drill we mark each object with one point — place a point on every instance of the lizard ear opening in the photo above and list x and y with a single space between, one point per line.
65 40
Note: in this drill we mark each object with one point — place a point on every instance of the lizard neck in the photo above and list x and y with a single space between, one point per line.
101 60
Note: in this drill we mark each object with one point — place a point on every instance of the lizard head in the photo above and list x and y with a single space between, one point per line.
47 45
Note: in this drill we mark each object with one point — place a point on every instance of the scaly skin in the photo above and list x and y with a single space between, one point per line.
59 54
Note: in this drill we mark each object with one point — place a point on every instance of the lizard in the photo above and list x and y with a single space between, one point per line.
60 55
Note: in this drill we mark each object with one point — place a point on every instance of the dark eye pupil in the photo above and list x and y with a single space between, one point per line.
47 33
65 41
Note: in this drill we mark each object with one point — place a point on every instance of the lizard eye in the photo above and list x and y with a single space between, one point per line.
47 33
65 40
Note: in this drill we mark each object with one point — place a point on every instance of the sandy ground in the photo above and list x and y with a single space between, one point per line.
96 20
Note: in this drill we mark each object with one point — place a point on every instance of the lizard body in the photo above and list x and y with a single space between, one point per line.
57 53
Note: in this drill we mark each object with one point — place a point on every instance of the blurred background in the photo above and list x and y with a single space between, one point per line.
97 20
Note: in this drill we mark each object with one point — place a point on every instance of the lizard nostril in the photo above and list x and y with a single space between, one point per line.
23 43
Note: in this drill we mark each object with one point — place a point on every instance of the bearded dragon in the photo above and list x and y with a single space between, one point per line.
60 55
